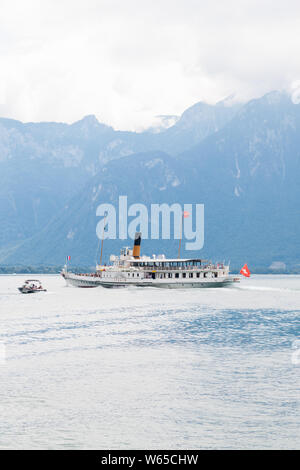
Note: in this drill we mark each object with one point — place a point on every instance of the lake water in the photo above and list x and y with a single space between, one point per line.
150 368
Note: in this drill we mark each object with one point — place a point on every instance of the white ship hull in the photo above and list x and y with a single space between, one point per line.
86 281
170 285
80 280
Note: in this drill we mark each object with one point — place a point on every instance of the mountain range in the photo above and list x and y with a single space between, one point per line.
241 161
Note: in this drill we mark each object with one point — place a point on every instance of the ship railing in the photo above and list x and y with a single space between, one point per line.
176 268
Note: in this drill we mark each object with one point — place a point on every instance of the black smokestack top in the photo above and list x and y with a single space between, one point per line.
137 238
137 245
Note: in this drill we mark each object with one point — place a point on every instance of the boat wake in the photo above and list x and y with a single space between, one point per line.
266 289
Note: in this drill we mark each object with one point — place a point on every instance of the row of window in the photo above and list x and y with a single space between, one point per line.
172 275
177 275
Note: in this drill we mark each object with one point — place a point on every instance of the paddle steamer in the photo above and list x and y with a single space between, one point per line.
132 269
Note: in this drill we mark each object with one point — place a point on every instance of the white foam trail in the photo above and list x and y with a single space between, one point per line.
267 289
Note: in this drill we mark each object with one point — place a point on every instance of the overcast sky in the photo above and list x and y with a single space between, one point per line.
127 61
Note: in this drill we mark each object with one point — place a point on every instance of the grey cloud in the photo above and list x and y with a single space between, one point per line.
127 61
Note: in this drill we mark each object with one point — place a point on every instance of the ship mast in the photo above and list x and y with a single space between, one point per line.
184 215
180 236
105 216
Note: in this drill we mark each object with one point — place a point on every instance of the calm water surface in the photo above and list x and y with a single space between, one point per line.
134 368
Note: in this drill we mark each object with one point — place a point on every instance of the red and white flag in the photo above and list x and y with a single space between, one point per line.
245 271
186 214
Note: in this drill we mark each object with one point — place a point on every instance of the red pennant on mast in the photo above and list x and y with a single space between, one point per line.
245 271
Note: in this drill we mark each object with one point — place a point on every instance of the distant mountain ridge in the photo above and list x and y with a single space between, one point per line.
42 165
242 162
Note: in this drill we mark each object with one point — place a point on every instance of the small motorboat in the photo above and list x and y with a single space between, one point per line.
31 286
